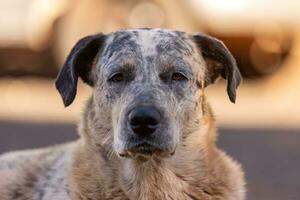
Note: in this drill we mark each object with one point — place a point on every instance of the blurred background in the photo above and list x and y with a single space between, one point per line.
262 130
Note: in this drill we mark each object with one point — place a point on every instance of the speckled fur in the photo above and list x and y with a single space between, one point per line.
91 169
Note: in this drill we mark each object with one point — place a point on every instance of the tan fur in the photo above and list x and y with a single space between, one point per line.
197 171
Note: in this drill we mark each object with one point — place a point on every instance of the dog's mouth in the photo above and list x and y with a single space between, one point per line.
146 150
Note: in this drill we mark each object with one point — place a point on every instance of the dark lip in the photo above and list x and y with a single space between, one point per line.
145 148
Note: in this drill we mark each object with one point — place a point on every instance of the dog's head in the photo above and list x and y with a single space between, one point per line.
147 84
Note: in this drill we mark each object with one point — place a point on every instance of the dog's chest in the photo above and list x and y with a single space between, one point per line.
171 192
161 184
156 193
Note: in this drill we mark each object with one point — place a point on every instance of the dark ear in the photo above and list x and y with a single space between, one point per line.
219 62
78 64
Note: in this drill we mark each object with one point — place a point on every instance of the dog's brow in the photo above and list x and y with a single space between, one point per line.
120 42
174 63
123 66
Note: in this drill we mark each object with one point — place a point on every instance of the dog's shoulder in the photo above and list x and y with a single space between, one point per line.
230 180
36 174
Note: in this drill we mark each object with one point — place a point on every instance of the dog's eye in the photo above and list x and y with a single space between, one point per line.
117 77
178 76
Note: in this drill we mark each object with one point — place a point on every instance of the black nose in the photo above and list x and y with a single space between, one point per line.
144 120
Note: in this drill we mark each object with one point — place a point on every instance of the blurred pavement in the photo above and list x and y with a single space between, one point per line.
269 157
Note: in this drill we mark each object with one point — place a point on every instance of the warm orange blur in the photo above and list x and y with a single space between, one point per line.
261 130
36 36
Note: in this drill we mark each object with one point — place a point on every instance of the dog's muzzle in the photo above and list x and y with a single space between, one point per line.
146 136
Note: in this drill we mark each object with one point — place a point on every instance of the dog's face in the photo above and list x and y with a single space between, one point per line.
147 81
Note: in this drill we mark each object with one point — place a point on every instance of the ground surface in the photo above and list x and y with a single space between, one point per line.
271 158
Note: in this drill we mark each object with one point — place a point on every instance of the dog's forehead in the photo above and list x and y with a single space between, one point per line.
151 38
149 41
151 47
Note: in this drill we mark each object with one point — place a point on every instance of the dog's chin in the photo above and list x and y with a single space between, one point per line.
145 151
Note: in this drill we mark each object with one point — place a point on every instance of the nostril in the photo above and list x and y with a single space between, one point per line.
152 122
134 122
144 121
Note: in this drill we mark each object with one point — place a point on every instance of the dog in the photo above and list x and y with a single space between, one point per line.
147 132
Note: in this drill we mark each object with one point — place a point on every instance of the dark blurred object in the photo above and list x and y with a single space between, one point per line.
26 62
270 157
258 56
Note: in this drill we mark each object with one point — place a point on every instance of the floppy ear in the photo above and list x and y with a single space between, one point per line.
219 62
79 63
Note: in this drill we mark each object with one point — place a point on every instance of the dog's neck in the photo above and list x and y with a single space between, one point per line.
168 178
151 180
